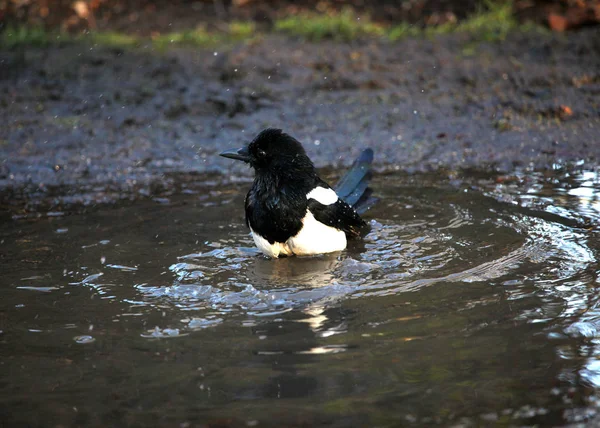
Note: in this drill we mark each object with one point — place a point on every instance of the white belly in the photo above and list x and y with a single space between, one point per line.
314 238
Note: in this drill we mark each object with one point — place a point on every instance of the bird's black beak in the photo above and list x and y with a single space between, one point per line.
240 154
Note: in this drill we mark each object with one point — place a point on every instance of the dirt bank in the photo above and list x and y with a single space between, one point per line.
88 123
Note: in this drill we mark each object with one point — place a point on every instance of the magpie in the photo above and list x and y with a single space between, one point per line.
290 210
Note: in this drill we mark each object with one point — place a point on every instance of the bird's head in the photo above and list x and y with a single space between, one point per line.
273 150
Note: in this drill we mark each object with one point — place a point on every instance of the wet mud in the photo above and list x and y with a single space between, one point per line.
95 124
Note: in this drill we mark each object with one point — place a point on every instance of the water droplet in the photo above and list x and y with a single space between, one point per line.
84 339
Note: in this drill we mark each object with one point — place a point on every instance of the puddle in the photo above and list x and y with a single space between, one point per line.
470 303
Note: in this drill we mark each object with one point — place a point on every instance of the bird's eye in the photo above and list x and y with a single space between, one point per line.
261 153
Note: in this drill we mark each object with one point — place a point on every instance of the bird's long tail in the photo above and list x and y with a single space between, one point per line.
354 186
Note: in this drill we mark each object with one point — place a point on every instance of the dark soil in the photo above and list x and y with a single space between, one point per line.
84 124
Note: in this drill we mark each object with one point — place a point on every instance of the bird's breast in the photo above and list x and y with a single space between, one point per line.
275 217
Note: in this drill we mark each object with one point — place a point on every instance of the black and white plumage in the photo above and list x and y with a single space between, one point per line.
290 210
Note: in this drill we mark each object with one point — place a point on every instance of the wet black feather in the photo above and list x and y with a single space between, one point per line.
339 215
358 172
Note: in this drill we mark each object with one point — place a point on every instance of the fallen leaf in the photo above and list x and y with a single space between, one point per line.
565 111
413 317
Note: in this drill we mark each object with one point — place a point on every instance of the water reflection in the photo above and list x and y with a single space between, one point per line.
586 191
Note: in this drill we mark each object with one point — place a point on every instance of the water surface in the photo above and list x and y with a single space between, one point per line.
470 302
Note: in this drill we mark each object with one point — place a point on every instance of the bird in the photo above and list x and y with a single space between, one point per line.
289 209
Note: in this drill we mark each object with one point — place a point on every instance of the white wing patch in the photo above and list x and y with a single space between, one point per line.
323 196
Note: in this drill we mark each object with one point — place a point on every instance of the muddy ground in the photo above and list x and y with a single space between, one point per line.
94 124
